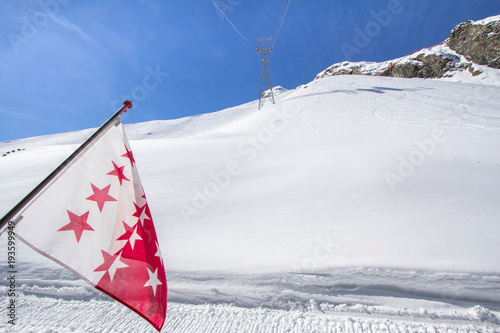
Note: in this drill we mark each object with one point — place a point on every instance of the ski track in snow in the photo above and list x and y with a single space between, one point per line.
347 300
99 316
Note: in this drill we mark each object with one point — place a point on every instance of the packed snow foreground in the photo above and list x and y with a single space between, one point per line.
353 204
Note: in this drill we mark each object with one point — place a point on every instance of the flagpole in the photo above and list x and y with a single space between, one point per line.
14 211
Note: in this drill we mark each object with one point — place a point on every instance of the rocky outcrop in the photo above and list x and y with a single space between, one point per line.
423 66
436 62
347 68
470 44
478 42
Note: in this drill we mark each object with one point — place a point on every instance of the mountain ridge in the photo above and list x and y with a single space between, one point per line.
471 54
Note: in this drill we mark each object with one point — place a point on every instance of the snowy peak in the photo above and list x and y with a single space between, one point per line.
487 20
471 54
276 91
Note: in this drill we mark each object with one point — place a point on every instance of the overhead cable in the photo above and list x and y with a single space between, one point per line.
284 11
235 28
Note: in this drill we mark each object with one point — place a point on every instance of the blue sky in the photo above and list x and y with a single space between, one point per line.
66 64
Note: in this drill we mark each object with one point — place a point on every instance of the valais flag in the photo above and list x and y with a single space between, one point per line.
94 219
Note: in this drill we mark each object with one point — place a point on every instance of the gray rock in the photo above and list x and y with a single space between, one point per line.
479 43
429 66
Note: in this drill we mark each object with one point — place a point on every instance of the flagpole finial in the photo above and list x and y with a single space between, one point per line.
127 105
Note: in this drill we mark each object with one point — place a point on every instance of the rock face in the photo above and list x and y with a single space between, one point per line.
478 42
342 69
436 62
423 66
470 44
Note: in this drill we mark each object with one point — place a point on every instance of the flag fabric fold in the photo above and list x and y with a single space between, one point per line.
94 219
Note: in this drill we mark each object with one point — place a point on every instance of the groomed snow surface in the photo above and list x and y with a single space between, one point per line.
354 204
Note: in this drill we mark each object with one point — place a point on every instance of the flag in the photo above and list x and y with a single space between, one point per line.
94 220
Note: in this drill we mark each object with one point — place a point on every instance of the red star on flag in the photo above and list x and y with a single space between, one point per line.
100 196
118 172
130 235
78 224
142 213
111 264
129 155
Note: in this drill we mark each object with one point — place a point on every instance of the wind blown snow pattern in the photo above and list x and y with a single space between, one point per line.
355 203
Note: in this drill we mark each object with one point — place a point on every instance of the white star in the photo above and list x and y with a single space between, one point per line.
143 217
153 280
115 265
134 237
158 252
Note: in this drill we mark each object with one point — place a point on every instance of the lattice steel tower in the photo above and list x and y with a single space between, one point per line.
264 48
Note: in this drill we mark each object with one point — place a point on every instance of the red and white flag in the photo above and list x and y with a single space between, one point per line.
94 219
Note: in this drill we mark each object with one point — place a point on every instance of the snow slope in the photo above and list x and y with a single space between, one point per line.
353 202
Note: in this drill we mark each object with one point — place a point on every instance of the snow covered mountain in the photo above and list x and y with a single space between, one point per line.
276 91
470 53
355 203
